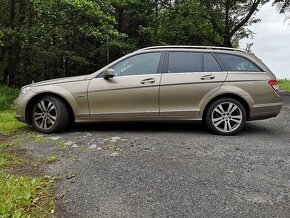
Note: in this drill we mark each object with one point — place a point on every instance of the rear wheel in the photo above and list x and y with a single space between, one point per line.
226 116
49 115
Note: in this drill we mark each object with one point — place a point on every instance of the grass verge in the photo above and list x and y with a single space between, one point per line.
284 85
9 125
20 195
23 196
7 159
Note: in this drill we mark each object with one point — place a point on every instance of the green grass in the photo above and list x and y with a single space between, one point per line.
20 196
7 96
23 196
52 159
284 85
4 146
7 159
9 125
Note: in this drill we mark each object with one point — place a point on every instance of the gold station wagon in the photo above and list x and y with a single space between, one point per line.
223 87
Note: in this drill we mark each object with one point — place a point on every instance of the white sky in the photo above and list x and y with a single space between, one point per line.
271 40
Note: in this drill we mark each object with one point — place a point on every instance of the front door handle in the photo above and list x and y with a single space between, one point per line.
148 81
207 77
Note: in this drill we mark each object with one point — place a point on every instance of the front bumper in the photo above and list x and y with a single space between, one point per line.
20 118
20 106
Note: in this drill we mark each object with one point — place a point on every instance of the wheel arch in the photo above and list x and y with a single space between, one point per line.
228 95
38 96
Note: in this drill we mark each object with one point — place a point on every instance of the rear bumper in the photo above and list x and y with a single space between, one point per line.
265 111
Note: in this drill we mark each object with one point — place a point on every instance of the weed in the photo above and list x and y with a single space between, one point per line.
7 159
52 159
4 146
35 137
23 196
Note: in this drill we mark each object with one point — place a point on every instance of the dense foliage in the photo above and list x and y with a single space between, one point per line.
7 96
55 38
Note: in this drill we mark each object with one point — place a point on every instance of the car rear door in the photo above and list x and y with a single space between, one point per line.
133 92
189 78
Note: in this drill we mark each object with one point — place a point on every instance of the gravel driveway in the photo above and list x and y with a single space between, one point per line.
171 170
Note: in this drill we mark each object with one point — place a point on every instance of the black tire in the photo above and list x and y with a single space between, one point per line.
237 119
57 120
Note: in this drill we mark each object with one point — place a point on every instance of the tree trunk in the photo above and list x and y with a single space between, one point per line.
11 67
227 42
120 15
156 20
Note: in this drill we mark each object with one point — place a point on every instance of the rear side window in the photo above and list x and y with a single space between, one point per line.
182 62
210 64
238 63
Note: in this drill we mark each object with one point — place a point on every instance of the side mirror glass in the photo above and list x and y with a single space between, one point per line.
109 73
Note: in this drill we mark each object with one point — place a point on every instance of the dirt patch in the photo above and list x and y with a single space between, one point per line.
30 167
4 139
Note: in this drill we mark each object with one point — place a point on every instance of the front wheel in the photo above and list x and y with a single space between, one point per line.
226 116
49 115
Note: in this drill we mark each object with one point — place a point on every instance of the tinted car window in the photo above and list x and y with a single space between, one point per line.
138 65
180 62
210 64
237 63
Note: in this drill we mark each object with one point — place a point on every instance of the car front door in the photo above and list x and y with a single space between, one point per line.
132 92
190 77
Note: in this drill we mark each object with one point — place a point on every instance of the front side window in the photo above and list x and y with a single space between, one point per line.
182 62
138 65
238 63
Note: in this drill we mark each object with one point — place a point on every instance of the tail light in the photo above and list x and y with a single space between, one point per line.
274 85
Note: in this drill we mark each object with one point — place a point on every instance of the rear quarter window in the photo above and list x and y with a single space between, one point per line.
238 63
210 64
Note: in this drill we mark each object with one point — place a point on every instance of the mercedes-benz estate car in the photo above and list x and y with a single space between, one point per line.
223 87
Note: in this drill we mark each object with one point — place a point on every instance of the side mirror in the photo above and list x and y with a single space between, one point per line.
109 73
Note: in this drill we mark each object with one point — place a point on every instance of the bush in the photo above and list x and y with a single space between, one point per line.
284 85
7 96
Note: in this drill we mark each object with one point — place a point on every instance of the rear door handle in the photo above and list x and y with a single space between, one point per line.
148 81
207 77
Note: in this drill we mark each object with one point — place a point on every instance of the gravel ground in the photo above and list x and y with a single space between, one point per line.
171 170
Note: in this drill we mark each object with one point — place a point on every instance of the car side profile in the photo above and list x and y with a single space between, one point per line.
222 87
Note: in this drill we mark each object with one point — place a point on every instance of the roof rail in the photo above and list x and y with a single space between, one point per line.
191 47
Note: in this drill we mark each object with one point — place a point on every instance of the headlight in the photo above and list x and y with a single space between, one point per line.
24 90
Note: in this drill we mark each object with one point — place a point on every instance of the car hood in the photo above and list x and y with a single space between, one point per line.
60 80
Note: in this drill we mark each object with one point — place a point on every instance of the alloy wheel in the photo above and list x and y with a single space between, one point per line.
45 114
227 117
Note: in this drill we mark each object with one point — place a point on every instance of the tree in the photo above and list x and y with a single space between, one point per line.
182 23
230 18
283 5
55 38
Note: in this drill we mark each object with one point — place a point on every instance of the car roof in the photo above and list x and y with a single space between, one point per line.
187 47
